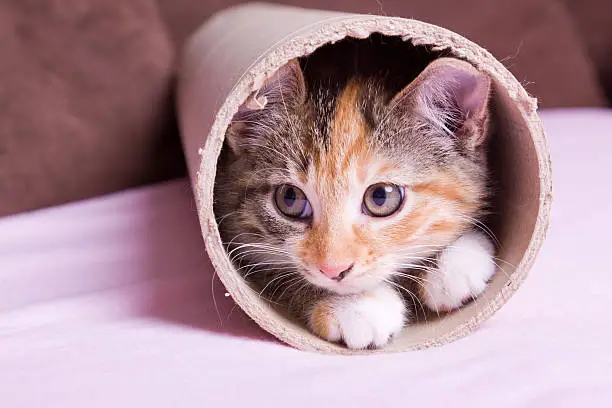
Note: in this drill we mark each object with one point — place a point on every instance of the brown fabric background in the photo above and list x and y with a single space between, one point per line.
84 100
593 19
86 104
536 39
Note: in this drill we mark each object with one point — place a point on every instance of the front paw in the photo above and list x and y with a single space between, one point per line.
464 269
366 320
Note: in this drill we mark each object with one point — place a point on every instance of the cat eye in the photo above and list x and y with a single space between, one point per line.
382 200
292 202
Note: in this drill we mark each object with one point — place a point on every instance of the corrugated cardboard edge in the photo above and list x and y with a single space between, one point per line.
202 149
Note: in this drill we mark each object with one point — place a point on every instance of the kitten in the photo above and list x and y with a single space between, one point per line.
334 200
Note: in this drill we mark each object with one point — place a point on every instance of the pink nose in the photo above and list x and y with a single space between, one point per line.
335 272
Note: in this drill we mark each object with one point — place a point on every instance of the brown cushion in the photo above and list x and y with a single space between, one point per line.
535 38
84 100
593 19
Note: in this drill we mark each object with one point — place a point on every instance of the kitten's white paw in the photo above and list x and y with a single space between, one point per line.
364 320
464 268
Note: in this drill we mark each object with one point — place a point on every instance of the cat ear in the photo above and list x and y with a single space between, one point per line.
286 85
281 91
453 96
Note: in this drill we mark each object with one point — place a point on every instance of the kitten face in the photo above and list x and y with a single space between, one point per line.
346 189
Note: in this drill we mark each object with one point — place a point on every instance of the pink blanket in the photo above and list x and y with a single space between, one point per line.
112 303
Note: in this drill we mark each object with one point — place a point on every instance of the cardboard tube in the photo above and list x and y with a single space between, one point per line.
232 54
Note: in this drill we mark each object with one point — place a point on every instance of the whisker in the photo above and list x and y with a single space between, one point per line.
275 279
212 291
480 225
257 246
419 280
412 295
417 267
225 216
298 280
254 270
241 255
290 282
233 242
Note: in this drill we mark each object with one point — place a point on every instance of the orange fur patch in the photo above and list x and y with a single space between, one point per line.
360 235
315 247
420 223
323 245
321 318
450 188
404 229
348 135
445 227
442 189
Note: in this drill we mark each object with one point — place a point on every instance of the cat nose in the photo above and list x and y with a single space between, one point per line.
336 272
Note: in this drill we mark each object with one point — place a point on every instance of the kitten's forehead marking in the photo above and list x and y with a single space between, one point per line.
348 135
338 167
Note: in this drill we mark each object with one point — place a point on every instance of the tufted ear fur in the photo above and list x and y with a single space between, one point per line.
453 96
269 105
